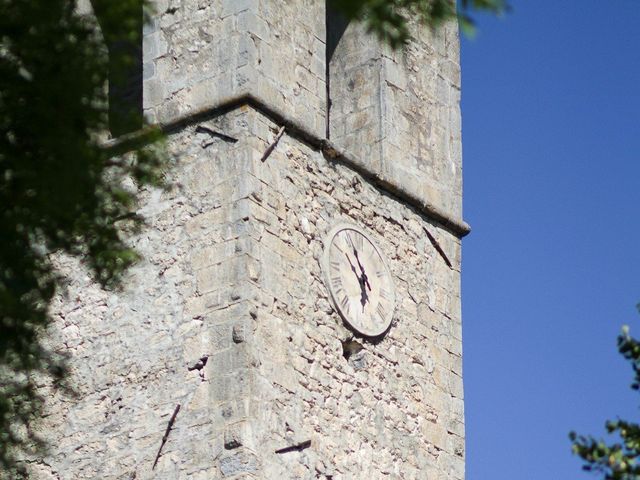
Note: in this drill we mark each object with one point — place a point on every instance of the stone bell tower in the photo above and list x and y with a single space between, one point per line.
234 351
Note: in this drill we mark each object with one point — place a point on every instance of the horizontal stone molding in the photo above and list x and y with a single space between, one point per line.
125 143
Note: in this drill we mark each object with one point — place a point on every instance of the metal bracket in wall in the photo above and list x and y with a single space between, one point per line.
214 133
166 435
271 147
295 448
438 248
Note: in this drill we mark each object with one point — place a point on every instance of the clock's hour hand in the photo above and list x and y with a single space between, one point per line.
363 278
363 293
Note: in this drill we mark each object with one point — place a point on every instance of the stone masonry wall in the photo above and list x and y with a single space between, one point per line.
227 315
394 410
201 52
136 354
398 112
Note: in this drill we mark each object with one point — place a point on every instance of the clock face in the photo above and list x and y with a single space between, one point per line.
359 280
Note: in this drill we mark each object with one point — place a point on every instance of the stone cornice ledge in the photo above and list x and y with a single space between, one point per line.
295 129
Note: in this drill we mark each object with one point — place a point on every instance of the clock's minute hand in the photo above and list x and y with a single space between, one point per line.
363 277
353 268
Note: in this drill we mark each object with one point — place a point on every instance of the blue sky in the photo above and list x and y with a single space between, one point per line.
551 137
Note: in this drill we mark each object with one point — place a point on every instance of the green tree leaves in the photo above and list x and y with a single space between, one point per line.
618 460
60 191
389 19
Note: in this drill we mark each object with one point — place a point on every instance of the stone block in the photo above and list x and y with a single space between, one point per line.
238 463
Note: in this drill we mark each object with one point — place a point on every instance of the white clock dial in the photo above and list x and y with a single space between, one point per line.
359 280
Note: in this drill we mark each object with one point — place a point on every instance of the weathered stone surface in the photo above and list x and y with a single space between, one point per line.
228 314
238 463
207 51
391 412
398 111
272 341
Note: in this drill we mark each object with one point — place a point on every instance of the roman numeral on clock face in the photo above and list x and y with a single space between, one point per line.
354 241
381 311
349 240
344 301
359 242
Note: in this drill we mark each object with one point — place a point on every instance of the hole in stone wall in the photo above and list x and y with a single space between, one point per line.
350 347
199 366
